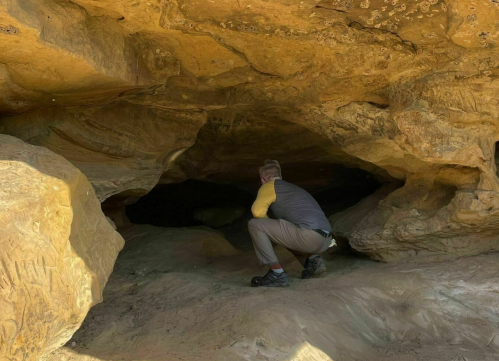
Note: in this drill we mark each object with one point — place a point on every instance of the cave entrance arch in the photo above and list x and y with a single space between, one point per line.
220 172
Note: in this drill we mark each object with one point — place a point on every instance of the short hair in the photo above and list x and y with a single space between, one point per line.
270 169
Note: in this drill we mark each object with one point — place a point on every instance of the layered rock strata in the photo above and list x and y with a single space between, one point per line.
404 90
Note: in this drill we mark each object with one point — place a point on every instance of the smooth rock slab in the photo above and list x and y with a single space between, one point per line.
57 250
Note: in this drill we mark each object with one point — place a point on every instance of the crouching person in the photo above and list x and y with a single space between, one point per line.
301 227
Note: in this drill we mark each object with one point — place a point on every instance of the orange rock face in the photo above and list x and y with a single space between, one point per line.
57 250
406 90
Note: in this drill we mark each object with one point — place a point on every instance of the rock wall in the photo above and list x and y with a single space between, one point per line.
120 148
406 90
231 147
57 250
445 152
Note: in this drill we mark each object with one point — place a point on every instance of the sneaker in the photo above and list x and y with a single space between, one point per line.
271 279
313 268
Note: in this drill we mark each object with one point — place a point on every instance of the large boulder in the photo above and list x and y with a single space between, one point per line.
57 250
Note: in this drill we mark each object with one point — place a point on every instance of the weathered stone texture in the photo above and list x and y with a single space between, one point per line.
57 250
406 90
119 148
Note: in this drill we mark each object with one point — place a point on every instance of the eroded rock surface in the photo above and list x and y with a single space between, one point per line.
57 250
449 203
406 90
121 148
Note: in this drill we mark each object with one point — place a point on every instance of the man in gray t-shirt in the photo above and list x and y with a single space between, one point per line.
301 227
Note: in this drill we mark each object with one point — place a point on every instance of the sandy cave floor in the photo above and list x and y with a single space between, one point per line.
183 294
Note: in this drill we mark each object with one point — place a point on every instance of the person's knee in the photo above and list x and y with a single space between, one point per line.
255 223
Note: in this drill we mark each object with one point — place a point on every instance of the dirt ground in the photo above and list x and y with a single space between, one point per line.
183 294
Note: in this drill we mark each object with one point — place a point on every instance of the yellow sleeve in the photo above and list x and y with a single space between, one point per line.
266 196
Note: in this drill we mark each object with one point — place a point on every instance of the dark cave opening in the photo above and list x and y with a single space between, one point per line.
227 207
175 205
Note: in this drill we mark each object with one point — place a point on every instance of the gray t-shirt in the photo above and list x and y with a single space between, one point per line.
297 206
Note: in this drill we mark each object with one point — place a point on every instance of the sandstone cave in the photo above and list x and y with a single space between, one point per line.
131 134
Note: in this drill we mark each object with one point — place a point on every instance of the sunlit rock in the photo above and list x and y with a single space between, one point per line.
136 93
57 250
